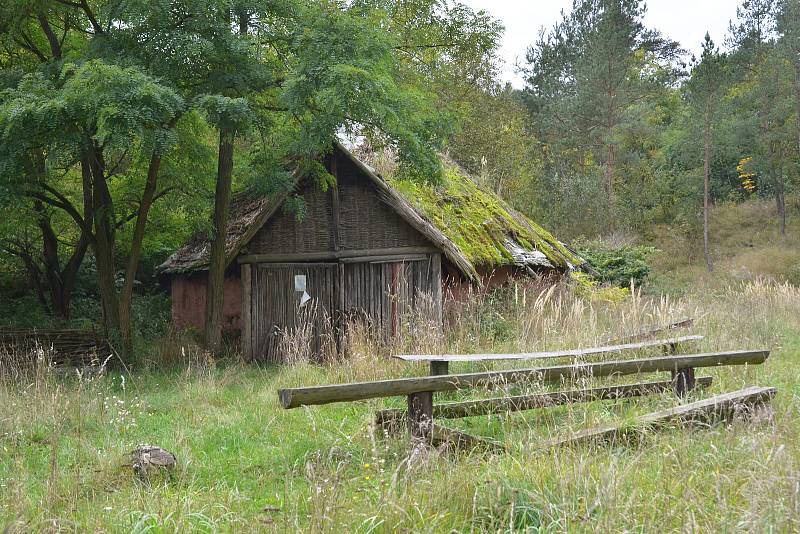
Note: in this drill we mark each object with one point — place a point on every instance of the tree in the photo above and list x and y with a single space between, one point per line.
38 36
112 120
705 90
590 73
764 95
280 78
493 144
788 26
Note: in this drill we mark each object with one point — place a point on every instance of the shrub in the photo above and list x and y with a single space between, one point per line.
585 286
617 265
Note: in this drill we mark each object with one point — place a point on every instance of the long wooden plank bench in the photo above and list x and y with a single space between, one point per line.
294 397
419 390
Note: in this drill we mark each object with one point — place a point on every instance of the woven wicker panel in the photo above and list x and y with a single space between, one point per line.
365 221
283 233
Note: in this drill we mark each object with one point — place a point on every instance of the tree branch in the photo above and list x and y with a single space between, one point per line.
83 5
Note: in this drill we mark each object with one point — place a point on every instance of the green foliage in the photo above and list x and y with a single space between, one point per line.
225 113
587 287
619 265
591 82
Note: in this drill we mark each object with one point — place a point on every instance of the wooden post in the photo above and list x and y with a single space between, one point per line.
439 367
683 381
338 315
420 415
247 326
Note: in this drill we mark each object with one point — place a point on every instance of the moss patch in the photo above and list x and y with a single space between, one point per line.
478 222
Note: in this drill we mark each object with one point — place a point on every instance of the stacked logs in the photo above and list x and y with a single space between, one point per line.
59 347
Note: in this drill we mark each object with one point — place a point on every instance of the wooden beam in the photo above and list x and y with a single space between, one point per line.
717 406
458 410
386 259
439 368
247 327
548 354
294 397
359 255
683 381
288 258
441 435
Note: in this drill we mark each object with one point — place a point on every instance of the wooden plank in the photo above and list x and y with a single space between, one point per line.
247 326
436 282
294 397
441 435
458 410
386 259
651 331
333 255
337 238
548 354
719 405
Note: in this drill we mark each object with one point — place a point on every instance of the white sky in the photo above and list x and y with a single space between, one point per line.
686 21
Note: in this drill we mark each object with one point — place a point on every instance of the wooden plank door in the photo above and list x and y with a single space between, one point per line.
384 292
292 309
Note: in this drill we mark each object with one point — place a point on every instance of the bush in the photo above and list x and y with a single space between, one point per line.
585 286
617 265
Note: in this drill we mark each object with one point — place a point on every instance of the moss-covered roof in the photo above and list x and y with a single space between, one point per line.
486 229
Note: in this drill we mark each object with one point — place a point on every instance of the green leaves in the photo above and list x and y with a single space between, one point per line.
225 113
118 103
344 76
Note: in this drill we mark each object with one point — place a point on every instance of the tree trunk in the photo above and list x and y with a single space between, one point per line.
59 301
34 277
610 179
126 296
216 267
59 281
104 233
706 188
797 101
780 202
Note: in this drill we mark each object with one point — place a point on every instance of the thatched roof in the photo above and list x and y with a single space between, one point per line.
473 228
246 212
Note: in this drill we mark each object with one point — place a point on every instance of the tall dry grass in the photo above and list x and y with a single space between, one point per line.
64 440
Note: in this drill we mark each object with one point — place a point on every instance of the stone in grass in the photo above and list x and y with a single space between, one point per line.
148 460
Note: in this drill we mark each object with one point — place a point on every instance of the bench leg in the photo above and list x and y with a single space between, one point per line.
683 381
420 415
439 368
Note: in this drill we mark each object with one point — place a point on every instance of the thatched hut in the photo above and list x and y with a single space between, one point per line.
370 246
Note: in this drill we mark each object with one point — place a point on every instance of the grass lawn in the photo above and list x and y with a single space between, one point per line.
247 465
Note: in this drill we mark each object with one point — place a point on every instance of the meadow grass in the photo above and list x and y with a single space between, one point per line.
246 465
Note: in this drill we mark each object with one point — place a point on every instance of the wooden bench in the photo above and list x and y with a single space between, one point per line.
419 390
